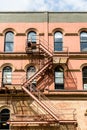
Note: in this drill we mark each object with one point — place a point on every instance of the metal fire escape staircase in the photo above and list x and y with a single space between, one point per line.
37 95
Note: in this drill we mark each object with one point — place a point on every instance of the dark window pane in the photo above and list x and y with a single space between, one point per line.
4 116
84 72
59 86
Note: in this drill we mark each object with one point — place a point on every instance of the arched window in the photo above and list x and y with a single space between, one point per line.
84 75
9 42
83 41
4 117
30 72
7 75
59 77
58 41
31 40
32 37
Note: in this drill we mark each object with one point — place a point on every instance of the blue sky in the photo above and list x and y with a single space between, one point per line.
43 5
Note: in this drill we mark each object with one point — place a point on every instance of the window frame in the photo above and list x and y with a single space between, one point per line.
84 70
29 71
60 85
29 38
9 42
83 42
8 81
3 120
58 42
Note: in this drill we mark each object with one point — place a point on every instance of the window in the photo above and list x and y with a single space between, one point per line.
32 37
7 75
9 41
84 74
30 72
83 41
4 117
31 41
59 78
58 41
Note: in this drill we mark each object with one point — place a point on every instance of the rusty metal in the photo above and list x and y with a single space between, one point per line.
49 53
41 104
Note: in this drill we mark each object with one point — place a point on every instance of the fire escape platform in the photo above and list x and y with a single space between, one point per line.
55 117
38 123
13 87
60 59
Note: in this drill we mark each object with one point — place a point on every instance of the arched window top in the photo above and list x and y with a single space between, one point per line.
84 74
5 114
9 36
83 41
83 35
32 36
84 68
7 69
4 117
31 69
58 36
84 71
59 69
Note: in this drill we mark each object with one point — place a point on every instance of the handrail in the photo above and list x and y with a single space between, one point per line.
59 112
40 39
41 104
45 49
37 73
42 44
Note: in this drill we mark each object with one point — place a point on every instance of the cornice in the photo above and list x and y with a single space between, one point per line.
67 95
52 95
70 55
20 55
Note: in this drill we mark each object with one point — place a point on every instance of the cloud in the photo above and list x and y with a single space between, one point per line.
43 5
73 5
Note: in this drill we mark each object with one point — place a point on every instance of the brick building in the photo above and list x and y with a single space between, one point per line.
43 70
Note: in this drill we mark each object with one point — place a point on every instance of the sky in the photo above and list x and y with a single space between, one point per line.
43 5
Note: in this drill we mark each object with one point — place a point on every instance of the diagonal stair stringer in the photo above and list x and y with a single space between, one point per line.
46 108
37 73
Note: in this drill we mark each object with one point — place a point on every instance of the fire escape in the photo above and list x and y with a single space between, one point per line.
48 114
